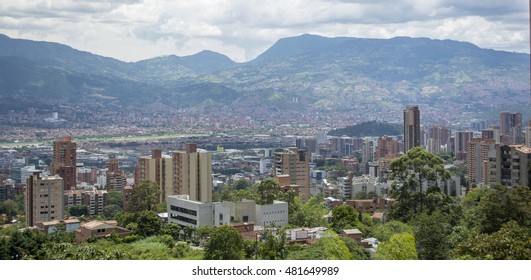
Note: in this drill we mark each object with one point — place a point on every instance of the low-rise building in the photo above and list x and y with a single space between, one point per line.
99 229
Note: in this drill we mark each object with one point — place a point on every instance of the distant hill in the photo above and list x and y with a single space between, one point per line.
340 74
365 129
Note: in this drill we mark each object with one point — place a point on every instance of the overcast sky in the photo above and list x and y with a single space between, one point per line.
132 30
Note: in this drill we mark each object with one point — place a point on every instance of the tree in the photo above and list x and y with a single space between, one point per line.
225 244
399 247
144 197
268 190
9 207
310 214
78 210
172 230
343 217
110 210
328 247
410 173
201 233
272 246
241 184
383 232
149 224
431 235
357 252
511 242
114 198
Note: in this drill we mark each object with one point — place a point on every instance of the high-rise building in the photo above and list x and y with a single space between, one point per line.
511 128
488 134
294 162
157 168
438 138
509 165
43 199
193 174
411 127
461 144
116 179
478 160
64 161
387 148
309 143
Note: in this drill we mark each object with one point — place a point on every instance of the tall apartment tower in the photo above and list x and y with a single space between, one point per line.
116 179
478 160
159 169
511 128
462 138
193 173
295 163
411 127
64 161
43 199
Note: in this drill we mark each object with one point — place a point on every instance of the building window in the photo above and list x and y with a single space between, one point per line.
245 219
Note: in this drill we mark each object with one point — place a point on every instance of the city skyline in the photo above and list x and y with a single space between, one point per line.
136 30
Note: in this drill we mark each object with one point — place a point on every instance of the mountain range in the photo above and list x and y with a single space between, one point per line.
340 73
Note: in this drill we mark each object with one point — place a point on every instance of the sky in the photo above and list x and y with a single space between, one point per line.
132 30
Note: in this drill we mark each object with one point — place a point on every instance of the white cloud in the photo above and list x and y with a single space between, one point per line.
133 29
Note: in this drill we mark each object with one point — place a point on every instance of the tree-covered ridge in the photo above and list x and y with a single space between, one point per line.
372 128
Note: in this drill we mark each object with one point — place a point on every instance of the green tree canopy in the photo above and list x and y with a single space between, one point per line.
343 217
114 198
328 247
241 184
268 190
144 197
10 208
432 235
310 214
383 232
511 242
148 224
410 173
225 244
399 247
78 210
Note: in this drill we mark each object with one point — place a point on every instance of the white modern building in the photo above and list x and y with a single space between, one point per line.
186 212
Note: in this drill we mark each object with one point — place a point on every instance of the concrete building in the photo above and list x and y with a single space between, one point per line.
345 187
64 161
438 138
509 165
193 173
478 160
411 127
94 199
295 163
186 212
44 199
387 147
159 169
461 144
115 178
511 128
